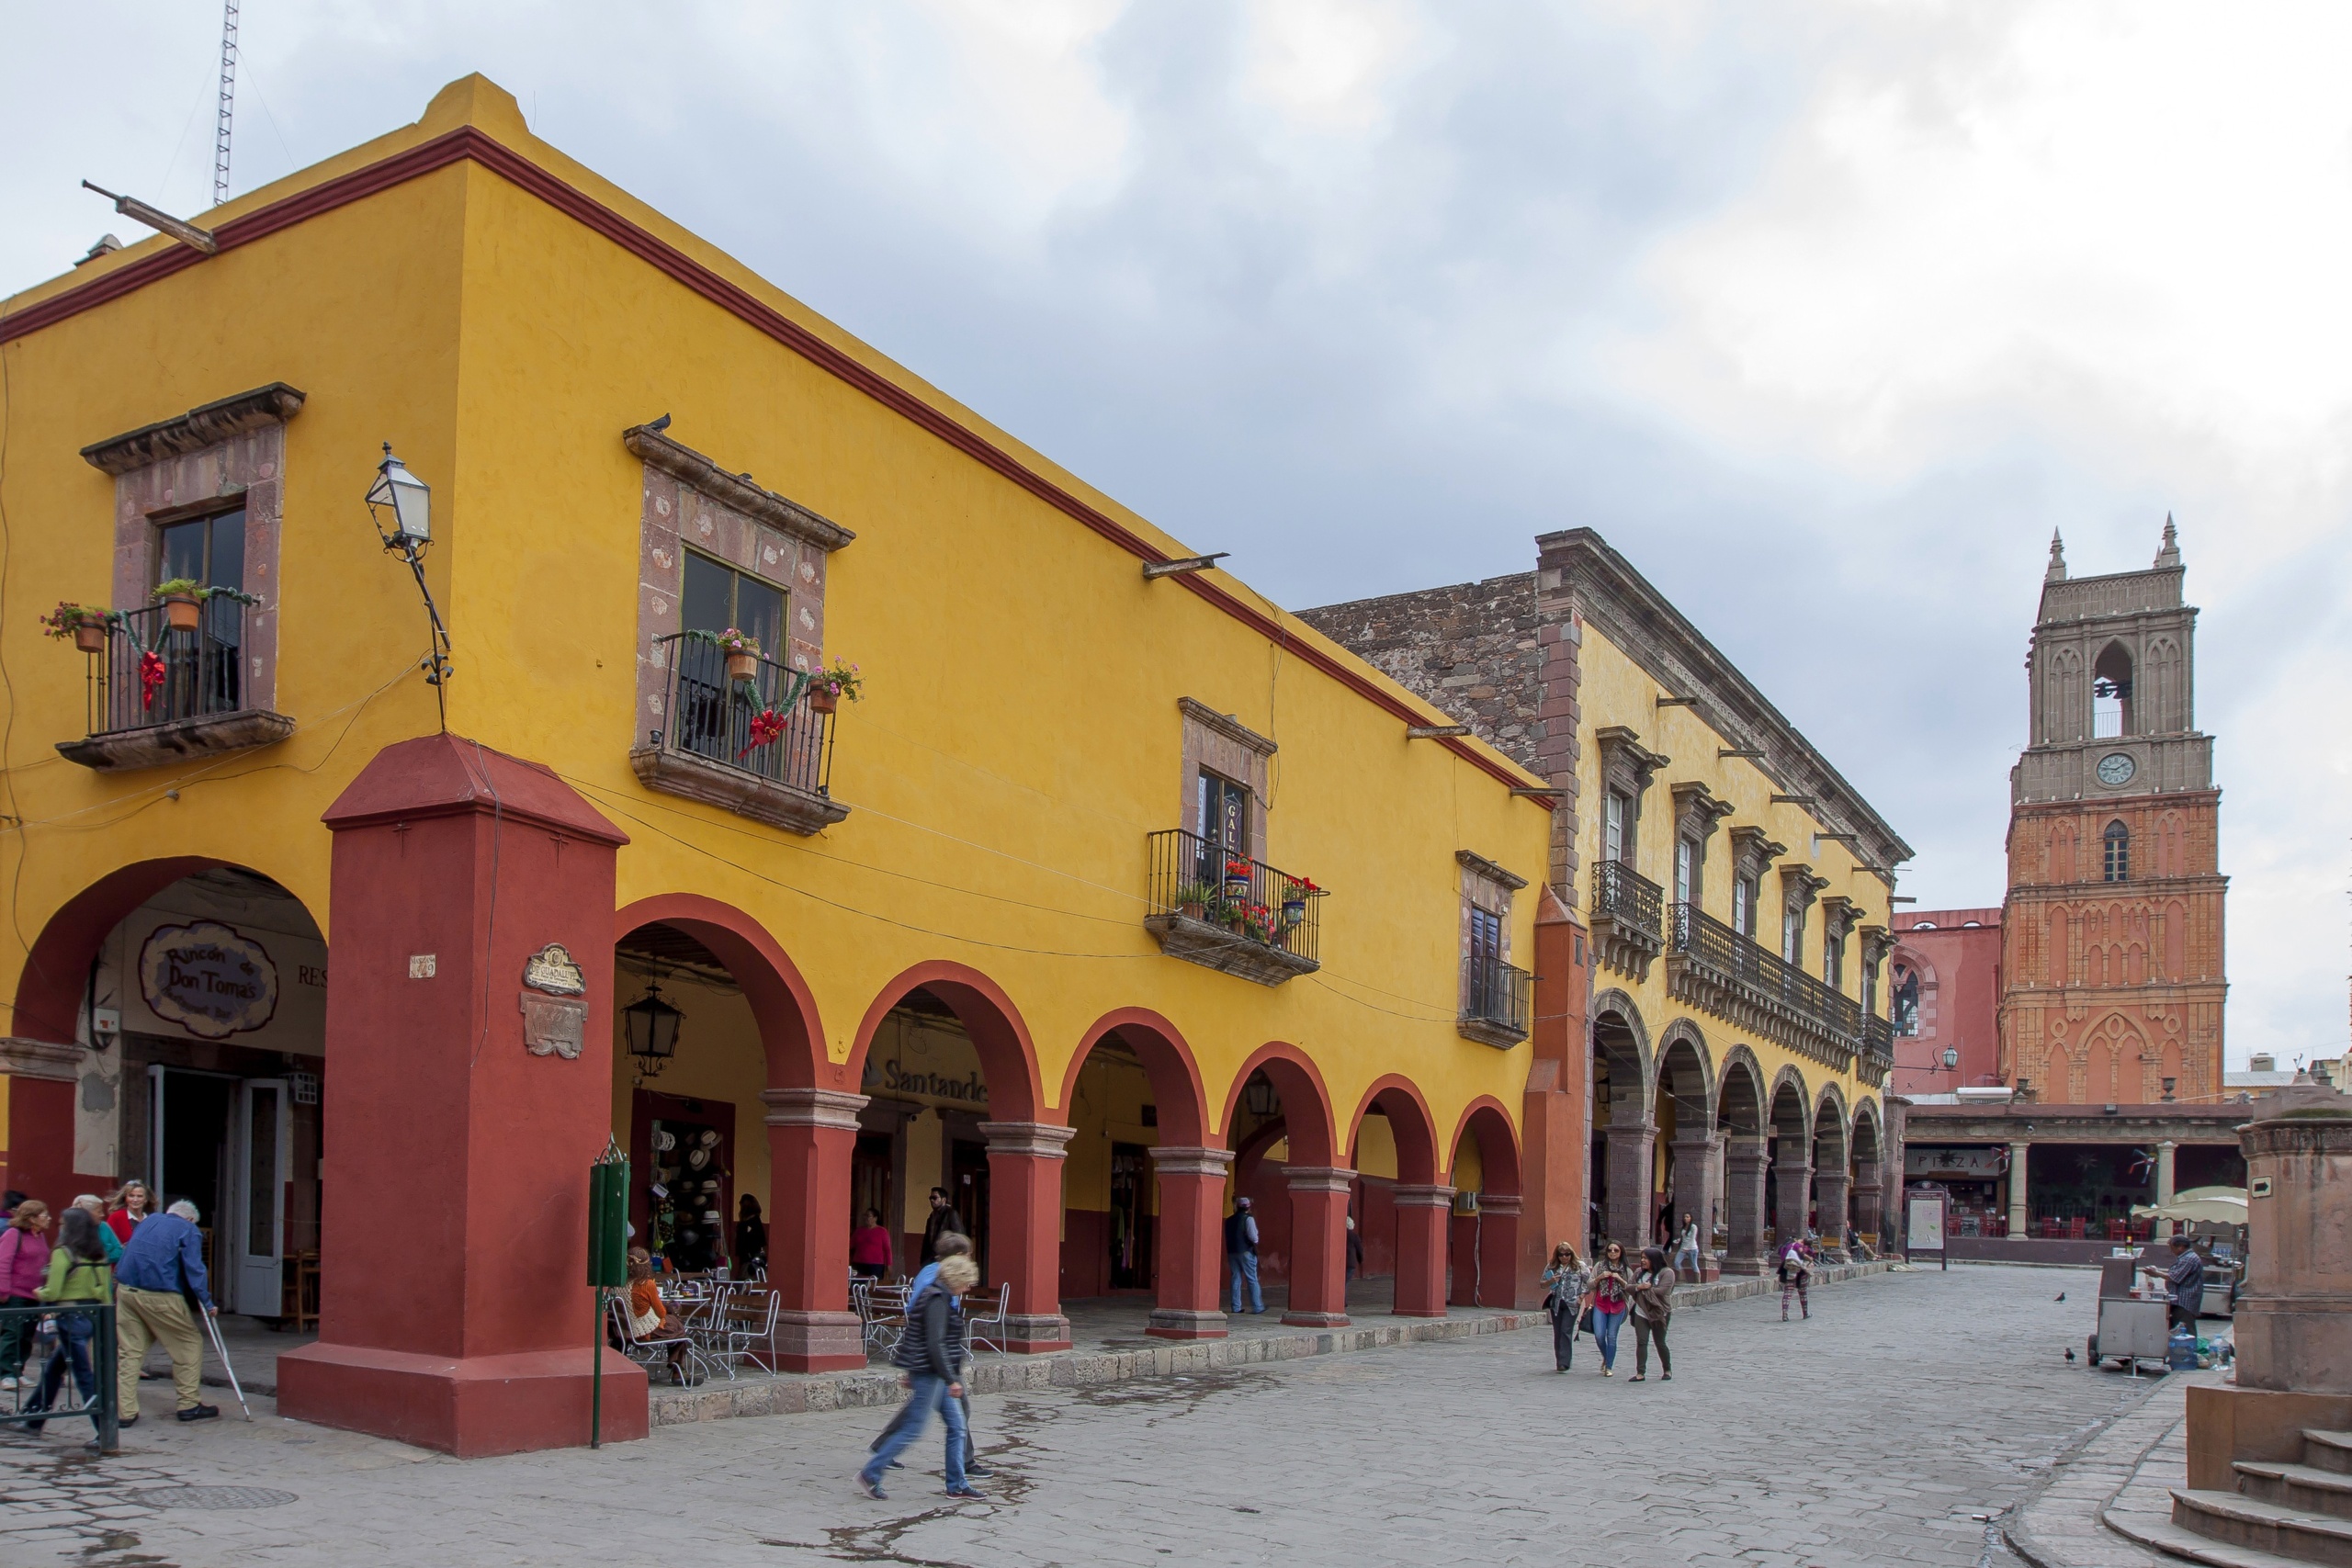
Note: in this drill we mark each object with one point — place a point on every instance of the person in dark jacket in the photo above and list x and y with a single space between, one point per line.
944 1218
930 1352
2186 1278
160 1280
751 1238
952 1244
1241 1255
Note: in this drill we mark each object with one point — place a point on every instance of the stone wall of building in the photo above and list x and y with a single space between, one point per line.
1471 649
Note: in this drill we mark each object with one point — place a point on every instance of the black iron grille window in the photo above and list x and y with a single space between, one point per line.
1199 880
151 674
760 723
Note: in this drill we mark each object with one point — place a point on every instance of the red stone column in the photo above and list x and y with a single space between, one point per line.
464 1112
1631 1159
1025 1229
38 1141
1318 1246
1747 1161
1555 1144
1420 1249
811 1134
1190 1241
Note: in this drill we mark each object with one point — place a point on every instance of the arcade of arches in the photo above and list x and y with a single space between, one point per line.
1678 1131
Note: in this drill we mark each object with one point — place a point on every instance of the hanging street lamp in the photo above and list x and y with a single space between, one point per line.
651 1026
400 505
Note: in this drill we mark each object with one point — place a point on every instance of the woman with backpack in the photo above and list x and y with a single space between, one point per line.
79 1279
1565 1280
1610 1294
1653 1304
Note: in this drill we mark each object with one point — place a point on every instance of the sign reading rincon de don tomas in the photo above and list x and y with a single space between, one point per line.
209 978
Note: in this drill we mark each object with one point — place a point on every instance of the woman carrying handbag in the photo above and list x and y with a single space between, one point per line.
1609 1293
1565 1280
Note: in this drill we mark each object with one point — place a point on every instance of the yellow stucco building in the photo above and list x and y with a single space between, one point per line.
1006 924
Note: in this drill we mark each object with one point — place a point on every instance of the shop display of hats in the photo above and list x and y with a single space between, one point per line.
698 1158
710 1137
665 1140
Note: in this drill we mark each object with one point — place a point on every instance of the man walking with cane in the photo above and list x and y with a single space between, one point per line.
159 1287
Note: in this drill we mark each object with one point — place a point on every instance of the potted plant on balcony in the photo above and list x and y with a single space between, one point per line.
85 623
1296 891
1237 880
183 601
1194 899
828 687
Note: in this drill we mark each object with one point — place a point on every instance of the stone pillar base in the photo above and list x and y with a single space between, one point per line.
1036 1334
472 1408
818 1342
1179 1323
1316 1319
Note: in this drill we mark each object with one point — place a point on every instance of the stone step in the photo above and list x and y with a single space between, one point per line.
2237 1520
2298 1486
2173 1541
2328 1451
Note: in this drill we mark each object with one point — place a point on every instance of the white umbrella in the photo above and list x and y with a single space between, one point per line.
2213 1205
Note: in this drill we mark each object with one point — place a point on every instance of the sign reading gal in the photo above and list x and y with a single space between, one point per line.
211 980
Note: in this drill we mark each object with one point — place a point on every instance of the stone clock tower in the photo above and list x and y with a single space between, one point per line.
2111 933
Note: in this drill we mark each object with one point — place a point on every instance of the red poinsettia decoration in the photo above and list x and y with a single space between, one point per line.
768 727
151 675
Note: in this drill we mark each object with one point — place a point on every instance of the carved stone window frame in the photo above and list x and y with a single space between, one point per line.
1489 886
1627 769
1799 887
1223 745
221 456
1752 853
1697 813
690 503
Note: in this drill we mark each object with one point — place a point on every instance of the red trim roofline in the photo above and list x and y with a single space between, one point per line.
469 143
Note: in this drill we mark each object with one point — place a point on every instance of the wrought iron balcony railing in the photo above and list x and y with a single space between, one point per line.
1496 1001
1878 1047
753 740
1230 912
1738 978
151 674
1628 932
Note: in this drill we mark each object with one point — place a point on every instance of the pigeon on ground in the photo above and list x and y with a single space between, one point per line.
661 423
2070 1352
2061 1295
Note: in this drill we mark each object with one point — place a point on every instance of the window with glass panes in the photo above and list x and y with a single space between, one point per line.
1743 907
1225 814
717 597
1686 870
1833 960
1792 931
2117 844
1617 827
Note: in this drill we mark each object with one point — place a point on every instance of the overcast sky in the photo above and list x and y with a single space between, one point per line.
1823 314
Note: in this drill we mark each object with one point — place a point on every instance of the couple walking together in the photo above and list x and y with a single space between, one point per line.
1601 1296
932 1353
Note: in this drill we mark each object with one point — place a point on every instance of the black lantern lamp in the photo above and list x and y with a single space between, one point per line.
651 1026
401 506
1259 1098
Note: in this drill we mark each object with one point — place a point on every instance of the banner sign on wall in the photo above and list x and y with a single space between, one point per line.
210 979
1954 1164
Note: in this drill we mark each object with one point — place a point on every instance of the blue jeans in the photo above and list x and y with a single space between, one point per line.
930 1394
74 1331
1243 1266
1689 1276
1605 1325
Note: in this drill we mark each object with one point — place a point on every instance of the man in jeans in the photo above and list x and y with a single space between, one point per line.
1241 1255
161 1276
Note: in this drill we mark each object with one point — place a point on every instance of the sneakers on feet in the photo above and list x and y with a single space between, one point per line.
197 1413
967 1492
979 1471
871 1487
7 1383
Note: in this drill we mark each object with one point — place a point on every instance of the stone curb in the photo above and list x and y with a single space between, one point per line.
2127 1468
792 1394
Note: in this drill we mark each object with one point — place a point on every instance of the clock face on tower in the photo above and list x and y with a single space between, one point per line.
2116 769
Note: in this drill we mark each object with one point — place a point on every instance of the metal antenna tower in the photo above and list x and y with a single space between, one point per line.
228 101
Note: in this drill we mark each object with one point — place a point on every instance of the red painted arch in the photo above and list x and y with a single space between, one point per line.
1497 1144
790 1035
1176 1089
1314 1139
1008 1056
1399 1098
57 970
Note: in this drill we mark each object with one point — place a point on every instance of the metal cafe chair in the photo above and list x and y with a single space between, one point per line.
881 1315
986 1329
751 1329
646 1351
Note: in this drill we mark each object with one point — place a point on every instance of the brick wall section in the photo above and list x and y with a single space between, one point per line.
1471 649
1500 657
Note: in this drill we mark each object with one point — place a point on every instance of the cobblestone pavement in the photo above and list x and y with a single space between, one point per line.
1886 1430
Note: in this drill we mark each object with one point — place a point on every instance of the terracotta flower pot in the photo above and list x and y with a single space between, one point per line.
741 666
1194 911
90 635
183 611
823 699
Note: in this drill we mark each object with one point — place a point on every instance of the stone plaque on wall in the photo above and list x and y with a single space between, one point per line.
554 1026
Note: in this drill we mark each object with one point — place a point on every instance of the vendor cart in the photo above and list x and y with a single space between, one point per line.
2132 1327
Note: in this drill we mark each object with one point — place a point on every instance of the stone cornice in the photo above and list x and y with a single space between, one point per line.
23 1058
733 490
1225 725
1470 861
1639 620
196 430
